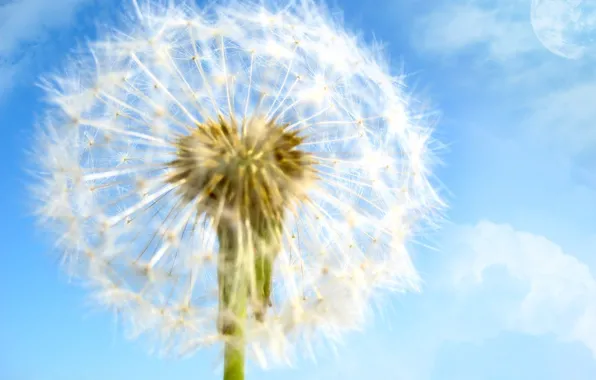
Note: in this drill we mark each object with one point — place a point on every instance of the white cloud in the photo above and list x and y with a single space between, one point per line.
500 30
24 24
531 152
490 282
561 291
537 101
565 117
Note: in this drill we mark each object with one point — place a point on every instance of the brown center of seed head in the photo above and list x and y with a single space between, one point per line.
255 170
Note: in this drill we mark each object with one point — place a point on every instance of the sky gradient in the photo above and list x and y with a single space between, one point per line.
509 284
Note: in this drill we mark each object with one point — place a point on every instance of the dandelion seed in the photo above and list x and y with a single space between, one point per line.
243 175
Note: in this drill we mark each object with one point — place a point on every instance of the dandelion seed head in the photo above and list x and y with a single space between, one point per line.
255 168
268 121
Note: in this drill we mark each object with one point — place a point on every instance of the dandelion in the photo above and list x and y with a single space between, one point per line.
240 175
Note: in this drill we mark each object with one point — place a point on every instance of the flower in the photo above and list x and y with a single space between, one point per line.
240 174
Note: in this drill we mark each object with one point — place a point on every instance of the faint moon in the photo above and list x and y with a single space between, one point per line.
565 27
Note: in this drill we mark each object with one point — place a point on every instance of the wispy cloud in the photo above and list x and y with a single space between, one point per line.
565 117
492 286
531 153
501 29
541 100
555 292
25 26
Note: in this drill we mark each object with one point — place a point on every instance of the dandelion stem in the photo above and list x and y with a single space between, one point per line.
267 248
241 247
234 357
233 289
233 362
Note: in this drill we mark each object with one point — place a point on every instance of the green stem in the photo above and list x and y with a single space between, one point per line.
234 359
269 245
233 290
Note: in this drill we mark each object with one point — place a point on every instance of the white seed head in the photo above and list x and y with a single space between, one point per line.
189 122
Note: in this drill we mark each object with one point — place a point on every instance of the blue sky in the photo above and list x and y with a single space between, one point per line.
510 291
